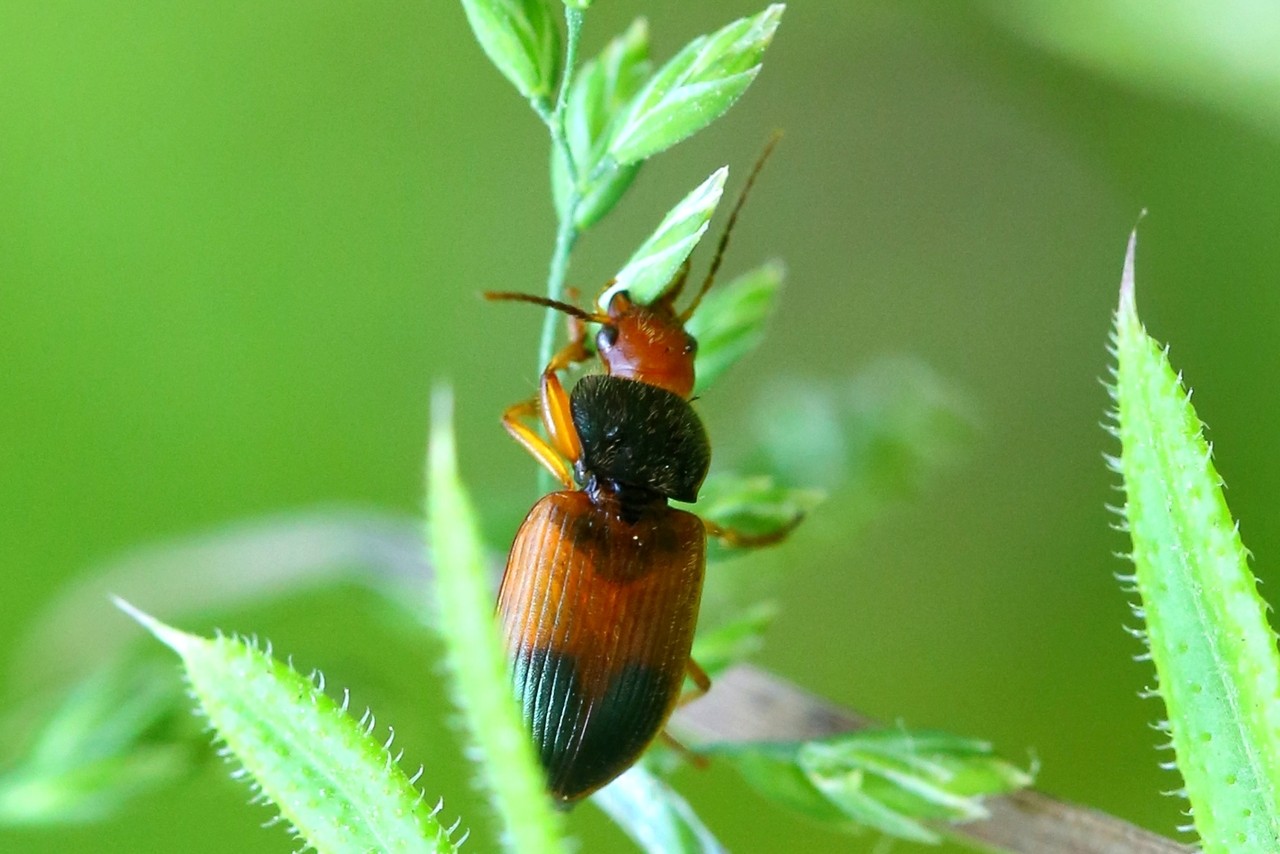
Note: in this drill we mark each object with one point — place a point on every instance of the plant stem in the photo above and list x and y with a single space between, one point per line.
567 233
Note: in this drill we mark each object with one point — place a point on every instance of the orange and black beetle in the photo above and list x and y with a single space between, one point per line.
600 596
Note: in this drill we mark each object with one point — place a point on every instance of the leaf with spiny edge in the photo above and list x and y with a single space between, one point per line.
1204 623
339 789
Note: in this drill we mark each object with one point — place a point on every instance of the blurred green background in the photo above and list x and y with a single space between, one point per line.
240 242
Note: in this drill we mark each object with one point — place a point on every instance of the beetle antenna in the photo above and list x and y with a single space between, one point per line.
728 227
567 308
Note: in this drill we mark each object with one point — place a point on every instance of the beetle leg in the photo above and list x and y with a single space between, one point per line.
535 444
553 402
697 760
701 683
735 539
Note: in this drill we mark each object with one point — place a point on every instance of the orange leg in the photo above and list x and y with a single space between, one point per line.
696 760
553 401
741 540
512 420
701 683
552 406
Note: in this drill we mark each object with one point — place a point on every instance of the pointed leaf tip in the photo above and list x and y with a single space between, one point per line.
1127 295
167 635
440 446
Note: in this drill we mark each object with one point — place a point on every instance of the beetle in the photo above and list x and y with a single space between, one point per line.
599 600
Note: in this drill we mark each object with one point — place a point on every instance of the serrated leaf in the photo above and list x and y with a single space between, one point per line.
598 92
656 818
694 88
887 780
334 783
476 661
521 38
731 321
1206 626
650 269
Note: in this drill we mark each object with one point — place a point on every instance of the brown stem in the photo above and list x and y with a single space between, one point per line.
748 704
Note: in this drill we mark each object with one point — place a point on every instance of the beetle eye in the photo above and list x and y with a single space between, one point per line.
690 345
607 338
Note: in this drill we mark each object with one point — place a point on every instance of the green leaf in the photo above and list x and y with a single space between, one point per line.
694 88
887 780
340 789
121 733
650 269
520 37
737 638
731 320
753 505
874 437
1206 626
657 819
598 92
474 653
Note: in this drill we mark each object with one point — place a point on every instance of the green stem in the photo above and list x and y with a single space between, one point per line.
567 233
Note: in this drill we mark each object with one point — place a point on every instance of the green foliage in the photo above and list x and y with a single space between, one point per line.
877 434
731 320
694 88
124 731
753 505
521 38
1205 624
735 639
889 780
477 664
339 789
656 818
598 92
651 267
